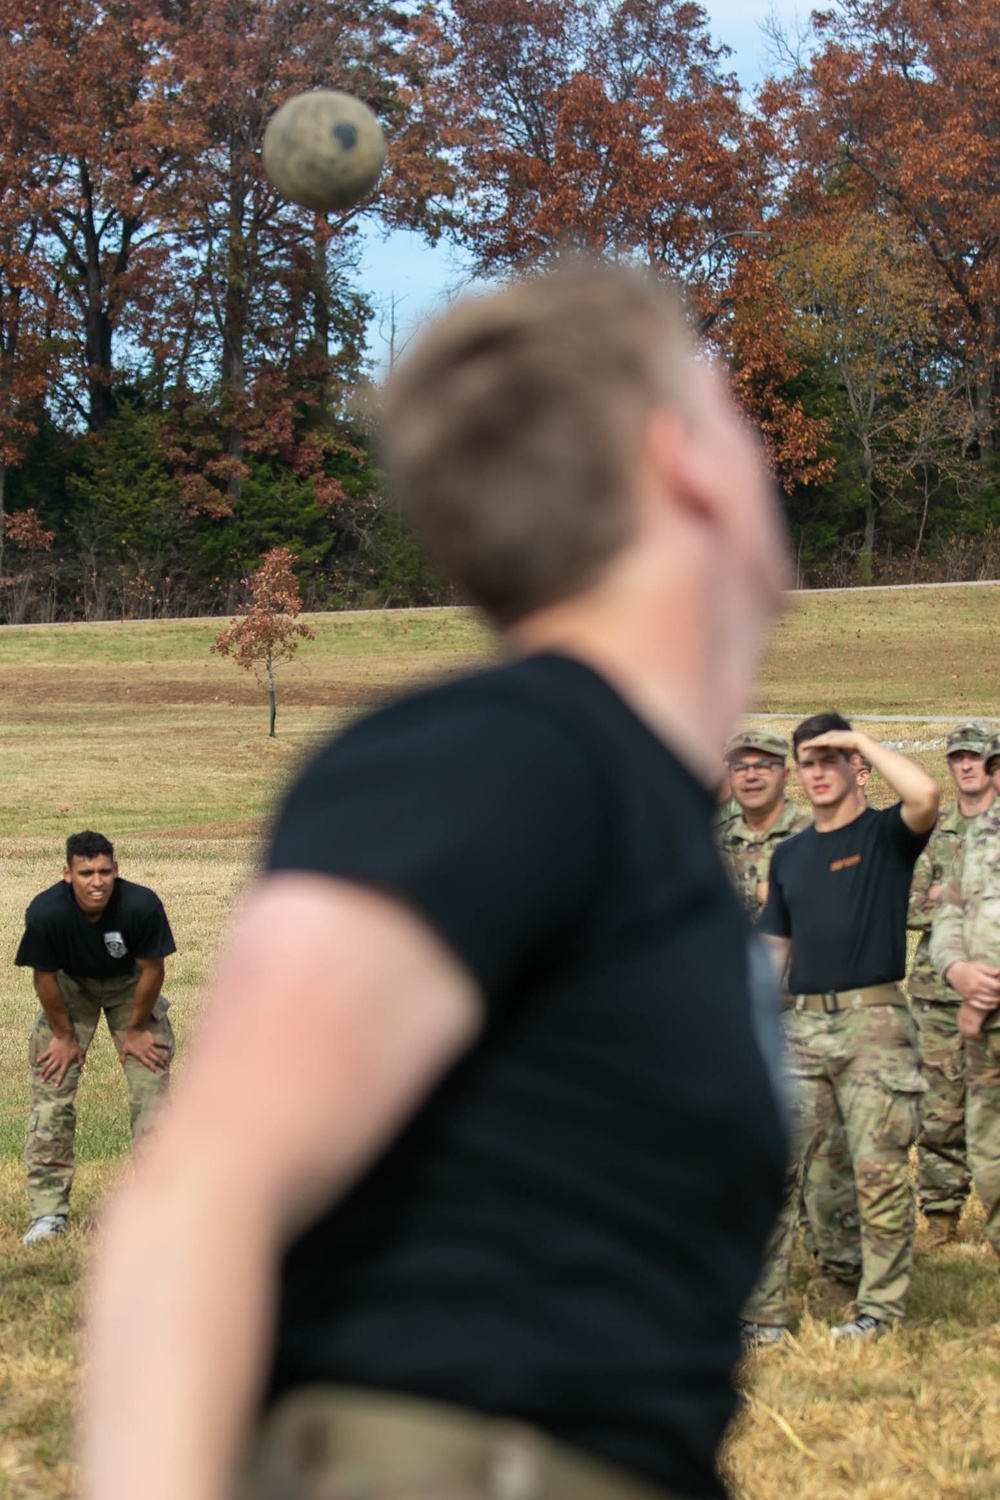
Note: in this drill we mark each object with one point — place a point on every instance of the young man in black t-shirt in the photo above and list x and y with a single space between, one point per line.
514 1143
95 943
837 906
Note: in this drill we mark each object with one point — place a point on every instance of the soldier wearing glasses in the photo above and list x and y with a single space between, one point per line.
756 763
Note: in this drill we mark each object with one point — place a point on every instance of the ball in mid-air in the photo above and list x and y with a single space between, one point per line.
324 150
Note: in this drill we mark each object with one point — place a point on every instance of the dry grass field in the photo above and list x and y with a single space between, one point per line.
140 731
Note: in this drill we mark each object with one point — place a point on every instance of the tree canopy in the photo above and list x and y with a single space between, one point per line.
181 352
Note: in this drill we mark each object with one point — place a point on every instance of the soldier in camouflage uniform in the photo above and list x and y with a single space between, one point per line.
726 806
755 760
943 1172
96 943
837 908
965 951
756 764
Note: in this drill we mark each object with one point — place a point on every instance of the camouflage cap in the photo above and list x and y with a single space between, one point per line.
972 735
764 740
992 748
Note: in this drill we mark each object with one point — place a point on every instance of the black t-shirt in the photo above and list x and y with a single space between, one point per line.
57 934
566 1230
842 898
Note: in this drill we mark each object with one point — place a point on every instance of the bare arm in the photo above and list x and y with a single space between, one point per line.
64 1049
915 788
779 951
137 1041
335 1011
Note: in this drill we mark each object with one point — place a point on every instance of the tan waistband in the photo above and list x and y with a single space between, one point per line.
830 1002
340 1442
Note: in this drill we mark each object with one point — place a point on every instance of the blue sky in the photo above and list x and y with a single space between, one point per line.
402 270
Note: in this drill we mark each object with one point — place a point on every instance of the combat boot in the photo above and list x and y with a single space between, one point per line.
942 1229
47 1227
864 1326
757 1336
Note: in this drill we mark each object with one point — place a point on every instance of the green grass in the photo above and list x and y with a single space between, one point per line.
139 730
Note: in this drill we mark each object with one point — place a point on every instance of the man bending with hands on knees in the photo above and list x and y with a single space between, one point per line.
837 904
436 1248
96 944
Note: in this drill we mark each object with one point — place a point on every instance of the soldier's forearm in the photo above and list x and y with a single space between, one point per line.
147 991
50 998
947 945
915 787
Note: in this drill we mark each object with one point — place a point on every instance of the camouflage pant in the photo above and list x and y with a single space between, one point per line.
982 1124
943 1171
48 1151
858 1066
830 1205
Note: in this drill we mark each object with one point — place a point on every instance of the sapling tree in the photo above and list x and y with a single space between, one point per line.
266 630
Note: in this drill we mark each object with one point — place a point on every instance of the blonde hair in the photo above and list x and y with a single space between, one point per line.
514 429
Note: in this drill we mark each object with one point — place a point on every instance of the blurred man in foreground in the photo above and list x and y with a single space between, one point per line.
483 1224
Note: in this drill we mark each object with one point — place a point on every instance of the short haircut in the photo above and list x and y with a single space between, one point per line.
815 725
88 844
514 429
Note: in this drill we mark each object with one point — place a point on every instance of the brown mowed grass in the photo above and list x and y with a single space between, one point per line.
919 651
912 1417
140 730
39 1309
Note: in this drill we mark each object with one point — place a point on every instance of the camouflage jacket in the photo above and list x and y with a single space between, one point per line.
726 812
967 921
746 855
933 868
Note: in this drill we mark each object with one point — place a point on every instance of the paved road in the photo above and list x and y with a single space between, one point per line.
955 718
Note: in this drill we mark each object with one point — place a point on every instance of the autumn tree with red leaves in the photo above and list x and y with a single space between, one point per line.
89 131
267 286
899 112
26 535
614 129
266 630
177 343
28 310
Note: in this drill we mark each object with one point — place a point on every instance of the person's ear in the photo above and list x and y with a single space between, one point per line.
683 472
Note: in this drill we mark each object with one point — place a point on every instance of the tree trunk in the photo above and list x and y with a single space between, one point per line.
234 325
320 339
923 524
3 513
867 554
270 693
97 323
987 383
